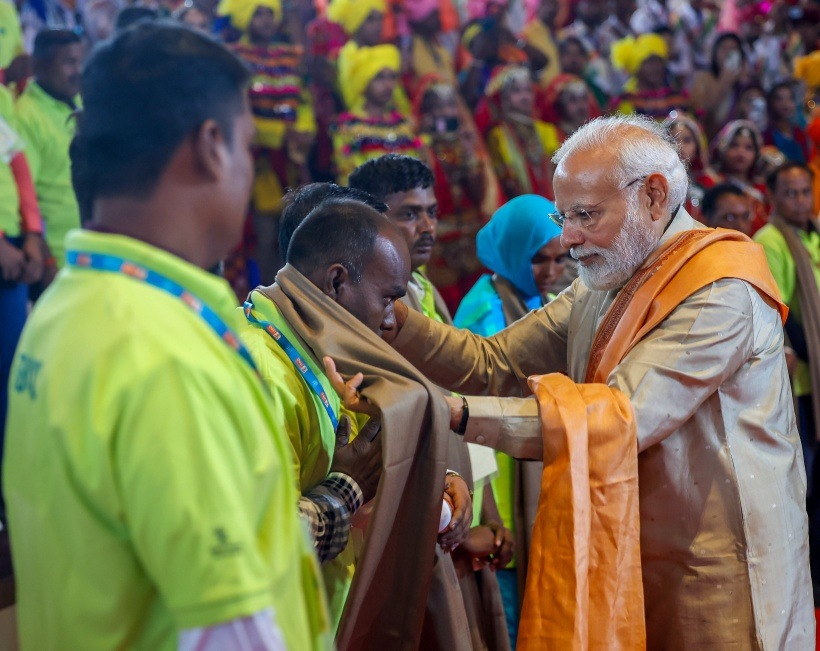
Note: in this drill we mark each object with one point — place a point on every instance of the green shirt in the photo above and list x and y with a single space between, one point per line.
782 267
9 197
47 127
309 428
146 479
11 36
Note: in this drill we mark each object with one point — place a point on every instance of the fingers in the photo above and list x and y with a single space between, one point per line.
336 380
343 431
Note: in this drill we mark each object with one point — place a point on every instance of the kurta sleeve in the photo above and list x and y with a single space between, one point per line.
499 365
686 359
509 425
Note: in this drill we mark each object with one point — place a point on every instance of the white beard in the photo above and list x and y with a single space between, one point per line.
617 263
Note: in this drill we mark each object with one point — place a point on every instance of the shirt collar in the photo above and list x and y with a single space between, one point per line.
211 290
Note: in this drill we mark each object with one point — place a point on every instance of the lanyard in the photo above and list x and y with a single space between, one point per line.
296 359
116 264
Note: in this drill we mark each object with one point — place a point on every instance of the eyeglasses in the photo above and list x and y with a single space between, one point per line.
587 218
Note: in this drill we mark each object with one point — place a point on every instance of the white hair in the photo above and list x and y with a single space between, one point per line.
654 151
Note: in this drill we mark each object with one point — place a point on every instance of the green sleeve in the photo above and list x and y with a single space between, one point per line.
780 260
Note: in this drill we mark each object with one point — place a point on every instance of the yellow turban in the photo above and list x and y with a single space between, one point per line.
807 69
358 66
241 11
350 14
629 53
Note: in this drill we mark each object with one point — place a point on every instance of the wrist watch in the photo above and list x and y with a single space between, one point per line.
465 416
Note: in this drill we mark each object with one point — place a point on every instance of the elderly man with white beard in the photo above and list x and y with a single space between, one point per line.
673 332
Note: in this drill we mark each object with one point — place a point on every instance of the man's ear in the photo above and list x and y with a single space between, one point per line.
210 150
657 187
335 281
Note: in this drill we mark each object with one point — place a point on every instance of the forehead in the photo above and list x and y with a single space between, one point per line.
794 177
390 265
415 197
732 202
582 178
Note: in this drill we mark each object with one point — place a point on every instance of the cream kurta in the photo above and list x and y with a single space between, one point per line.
724 535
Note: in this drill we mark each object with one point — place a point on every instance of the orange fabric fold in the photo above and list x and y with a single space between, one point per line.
681 267
584 588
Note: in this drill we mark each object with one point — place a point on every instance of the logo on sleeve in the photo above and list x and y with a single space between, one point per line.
27 372
224 546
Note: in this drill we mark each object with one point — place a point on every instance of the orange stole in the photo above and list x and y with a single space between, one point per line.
584 587
686 264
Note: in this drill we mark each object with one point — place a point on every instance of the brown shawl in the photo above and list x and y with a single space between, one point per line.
474 599
386 604
808 295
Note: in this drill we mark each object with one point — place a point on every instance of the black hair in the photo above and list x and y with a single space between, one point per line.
572 40
339 231
728 36
300 202
133 15
788 85
390 174
714 194
144 92
774 175
48 41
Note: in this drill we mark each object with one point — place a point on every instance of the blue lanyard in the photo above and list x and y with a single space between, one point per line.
296 359
116 264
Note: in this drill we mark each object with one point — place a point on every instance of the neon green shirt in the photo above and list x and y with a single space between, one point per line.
9 197
309 428
145 476
47 128
781 264
11 36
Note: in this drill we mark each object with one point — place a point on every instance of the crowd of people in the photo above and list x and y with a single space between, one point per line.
292 176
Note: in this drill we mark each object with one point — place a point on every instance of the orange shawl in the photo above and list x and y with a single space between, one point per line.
584 587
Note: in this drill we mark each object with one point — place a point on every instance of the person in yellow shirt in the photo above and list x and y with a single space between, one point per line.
44 118
15 64
149 496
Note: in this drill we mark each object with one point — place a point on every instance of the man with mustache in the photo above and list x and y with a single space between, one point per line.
673 343
406 185
45 121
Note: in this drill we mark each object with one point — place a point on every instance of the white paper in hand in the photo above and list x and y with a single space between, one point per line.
446 516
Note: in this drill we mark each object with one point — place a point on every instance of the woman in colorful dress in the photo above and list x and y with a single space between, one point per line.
694 152
466 187
735 155
520 146
372 126
567 103
784 131
647 92
285 129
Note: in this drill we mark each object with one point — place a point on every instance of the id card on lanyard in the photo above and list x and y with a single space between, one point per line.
296 359
117 265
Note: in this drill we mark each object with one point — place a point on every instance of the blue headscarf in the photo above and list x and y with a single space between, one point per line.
516 232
